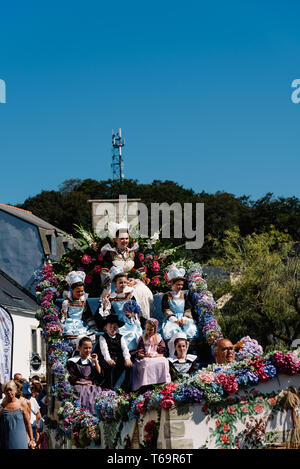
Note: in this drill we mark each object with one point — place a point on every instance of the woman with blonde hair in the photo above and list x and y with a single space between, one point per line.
15 427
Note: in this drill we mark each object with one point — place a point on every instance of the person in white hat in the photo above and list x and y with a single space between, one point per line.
120 254
123 303
74 306
177 308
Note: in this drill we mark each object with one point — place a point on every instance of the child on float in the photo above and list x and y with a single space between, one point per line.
176 308
122 303
151 366
76 316
85 374
182 364
120 255
114 355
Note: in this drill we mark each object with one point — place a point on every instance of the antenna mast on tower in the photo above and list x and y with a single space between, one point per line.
117 163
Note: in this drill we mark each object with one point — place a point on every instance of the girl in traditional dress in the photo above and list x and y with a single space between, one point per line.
85 374
177 308
74 307
126 258
151 366
182 364
123 304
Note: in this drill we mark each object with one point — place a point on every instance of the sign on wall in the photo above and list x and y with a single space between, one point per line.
35 362
6 345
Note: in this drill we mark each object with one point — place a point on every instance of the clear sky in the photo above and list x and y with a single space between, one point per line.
201 90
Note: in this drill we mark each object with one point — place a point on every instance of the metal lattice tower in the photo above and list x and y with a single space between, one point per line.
117 162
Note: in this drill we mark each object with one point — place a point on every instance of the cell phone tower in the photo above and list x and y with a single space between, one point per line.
117 162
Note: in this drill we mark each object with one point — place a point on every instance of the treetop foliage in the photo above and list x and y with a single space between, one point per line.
223 211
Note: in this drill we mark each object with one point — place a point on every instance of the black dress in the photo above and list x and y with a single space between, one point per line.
180 369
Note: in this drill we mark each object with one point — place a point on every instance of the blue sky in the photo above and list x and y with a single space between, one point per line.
201 90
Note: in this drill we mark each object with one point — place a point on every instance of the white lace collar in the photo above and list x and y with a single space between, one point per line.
189 358
123 294
109 247
84 361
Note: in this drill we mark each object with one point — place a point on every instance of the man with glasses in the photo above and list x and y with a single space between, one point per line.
224 352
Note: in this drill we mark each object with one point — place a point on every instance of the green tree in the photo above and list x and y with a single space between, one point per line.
264 287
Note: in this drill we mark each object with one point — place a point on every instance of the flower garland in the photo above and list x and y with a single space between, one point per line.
79 425
211 385
204 305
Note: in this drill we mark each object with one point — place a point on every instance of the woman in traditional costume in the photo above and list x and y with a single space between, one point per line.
127 259
151 366
177 308
182 364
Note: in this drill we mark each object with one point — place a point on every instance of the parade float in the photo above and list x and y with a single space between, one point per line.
250 403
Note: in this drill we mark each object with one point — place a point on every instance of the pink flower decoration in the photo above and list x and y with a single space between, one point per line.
88 279
169 388
259 408
167 402
272 401
206 376
155 267
225 439
140 408
231 410
155 280
86 259
141 257
225 427
100 257
228 383
97 269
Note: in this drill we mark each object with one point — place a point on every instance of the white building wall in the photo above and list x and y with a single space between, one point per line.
24 322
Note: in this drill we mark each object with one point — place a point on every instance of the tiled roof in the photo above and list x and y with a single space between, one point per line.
28 216
14 295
